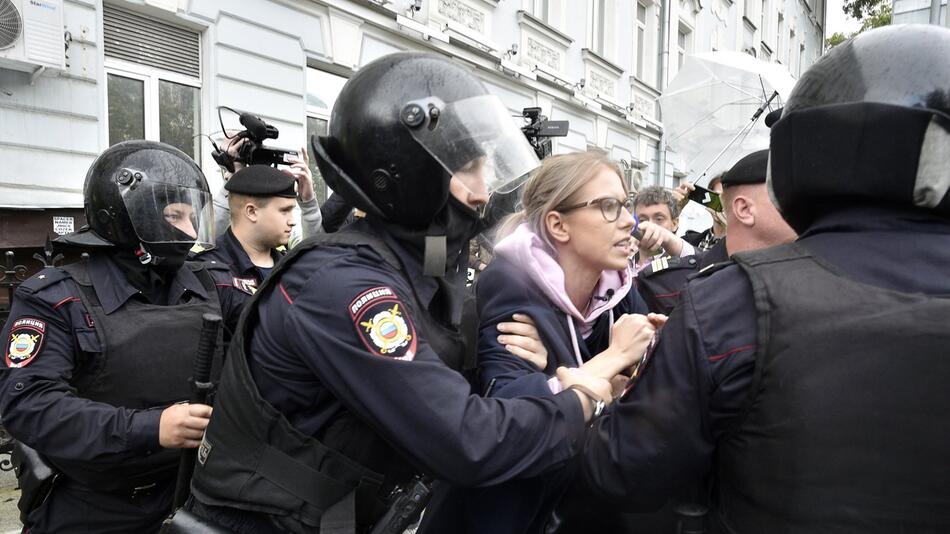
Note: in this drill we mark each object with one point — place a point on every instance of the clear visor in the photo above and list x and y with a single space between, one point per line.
477 136
167 213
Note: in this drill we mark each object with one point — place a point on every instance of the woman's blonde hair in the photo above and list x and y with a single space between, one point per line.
554 184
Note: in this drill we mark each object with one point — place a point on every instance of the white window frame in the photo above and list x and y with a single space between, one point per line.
640 45
537 8
598 21
150 76
748 10
801 58
781 50
687 47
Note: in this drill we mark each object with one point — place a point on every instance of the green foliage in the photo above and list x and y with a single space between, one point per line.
880 16
836 39
859 9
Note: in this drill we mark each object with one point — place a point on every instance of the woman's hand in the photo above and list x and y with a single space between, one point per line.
520 337
657 320
630 337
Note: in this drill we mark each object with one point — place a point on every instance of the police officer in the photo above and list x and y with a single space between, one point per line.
261 200
338 388
230 160
753 222
811 378
98 353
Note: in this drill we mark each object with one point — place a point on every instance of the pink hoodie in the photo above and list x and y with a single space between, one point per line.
527 250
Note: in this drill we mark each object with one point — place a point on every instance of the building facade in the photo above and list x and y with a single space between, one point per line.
921 12
160 69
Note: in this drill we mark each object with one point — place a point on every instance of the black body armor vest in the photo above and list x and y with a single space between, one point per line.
845 428
253 459
146 359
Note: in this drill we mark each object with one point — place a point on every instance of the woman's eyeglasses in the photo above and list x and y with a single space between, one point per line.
609 207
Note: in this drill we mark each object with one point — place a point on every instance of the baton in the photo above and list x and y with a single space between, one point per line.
200 386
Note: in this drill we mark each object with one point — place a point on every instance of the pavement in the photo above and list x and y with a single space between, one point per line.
9 495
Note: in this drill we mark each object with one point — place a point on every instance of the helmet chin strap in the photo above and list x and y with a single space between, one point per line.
435 254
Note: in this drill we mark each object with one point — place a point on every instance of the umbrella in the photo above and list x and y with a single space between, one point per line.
712 108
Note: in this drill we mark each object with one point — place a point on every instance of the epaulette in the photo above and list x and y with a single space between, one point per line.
198 264
44 279
666 263
222 275
711 268
197 252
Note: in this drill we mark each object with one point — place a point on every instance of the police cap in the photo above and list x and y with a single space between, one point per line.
748 170
262 181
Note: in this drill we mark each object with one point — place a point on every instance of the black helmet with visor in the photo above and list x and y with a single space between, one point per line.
149 196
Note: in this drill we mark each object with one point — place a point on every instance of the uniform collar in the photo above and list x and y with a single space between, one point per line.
113 288
717 254
239 261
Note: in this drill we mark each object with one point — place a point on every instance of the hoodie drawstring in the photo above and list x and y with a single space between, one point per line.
577 348
610 333
573 329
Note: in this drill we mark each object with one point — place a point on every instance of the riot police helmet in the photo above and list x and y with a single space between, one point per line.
869 123
146 195
404 124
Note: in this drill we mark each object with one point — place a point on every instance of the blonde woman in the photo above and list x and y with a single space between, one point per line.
562 262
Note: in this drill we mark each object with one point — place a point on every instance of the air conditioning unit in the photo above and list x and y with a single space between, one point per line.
634 179
31 35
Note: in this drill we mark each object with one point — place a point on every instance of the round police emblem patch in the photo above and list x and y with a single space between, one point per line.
382 325
26 340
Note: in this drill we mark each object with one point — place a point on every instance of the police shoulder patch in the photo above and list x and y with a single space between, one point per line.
26 340
247 285
382 324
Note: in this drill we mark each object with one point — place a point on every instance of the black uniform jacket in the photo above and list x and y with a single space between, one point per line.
228 251
49 416
661 281
663 431
340 334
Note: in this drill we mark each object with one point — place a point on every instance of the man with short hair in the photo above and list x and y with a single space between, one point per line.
658 218
261 201
310 219
751 216
753 223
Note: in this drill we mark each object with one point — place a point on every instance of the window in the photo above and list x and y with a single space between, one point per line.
653 153
766 55
801 58
640 52
599 26
764 21
791 52
541 9
153 82
748 10
682 46
146 103
780 49
322 90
